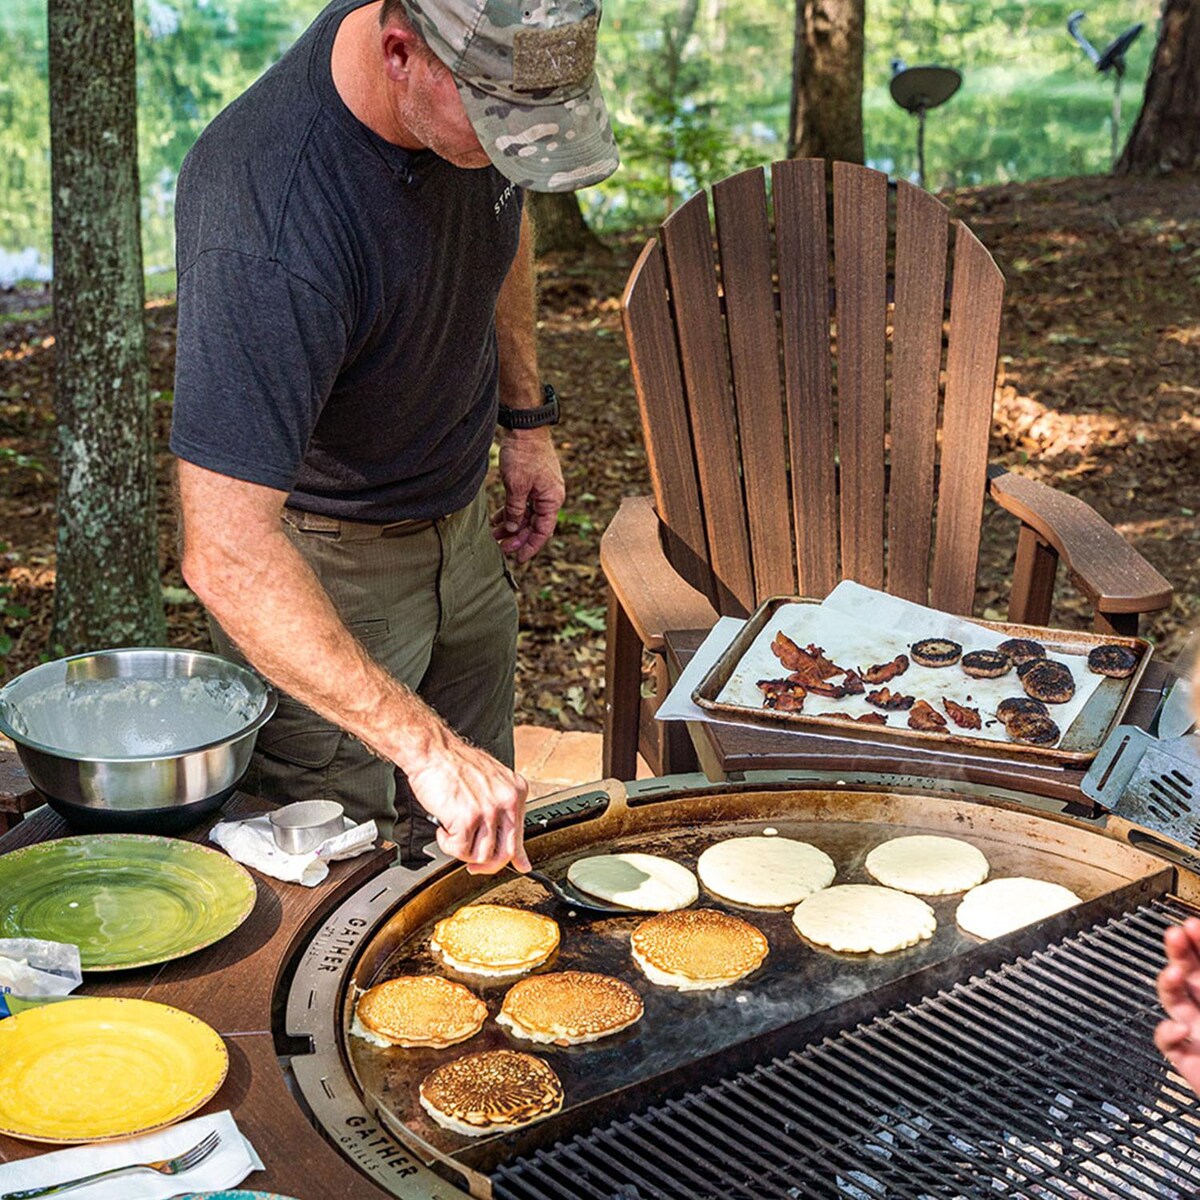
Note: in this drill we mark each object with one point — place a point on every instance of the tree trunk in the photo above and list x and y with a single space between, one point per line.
827 81
107 591
1166 136
558 224
675 40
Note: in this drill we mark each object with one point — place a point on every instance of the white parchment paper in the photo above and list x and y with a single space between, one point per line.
859 627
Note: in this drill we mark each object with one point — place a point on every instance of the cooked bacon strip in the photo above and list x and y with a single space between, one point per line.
925 716
964 718
788 652
882 672
782 694
824 665
854 685
883 698
819 687
810 664
872 719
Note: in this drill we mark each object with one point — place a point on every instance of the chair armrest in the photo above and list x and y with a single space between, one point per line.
1103 565
652 593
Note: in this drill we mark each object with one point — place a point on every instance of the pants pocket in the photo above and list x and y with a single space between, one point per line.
297 735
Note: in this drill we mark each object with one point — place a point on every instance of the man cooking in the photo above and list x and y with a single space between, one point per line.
355 301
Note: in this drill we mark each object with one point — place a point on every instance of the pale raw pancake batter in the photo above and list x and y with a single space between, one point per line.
858 918
1003 905
765 872
646 882
927 865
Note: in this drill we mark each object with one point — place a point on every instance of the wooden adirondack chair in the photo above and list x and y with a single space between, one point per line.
769 480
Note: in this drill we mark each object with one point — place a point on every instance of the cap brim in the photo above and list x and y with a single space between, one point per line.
557 146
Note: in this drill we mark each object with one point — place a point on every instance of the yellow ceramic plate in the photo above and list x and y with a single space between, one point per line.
96 1068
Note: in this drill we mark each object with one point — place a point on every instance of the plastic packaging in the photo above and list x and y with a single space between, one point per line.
29 967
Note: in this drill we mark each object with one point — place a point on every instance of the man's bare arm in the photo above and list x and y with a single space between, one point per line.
241 565
533 482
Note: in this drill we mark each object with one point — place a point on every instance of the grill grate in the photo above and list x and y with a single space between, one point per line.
1039 1079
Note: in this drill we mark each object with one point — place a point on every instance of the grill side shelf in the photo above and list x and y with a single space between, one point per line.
1038 1077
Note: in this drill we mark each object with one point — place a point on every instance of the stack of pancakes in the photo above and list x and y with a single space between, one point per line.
697 948
418 1010
569 1008
494 940
492 1092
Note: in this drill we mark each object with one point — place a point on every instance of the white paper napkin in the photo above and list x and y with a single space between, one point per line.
251 843
679 705
225 1167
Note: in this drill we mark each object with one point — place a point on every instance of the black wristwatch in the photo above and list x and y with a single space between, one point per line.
531 418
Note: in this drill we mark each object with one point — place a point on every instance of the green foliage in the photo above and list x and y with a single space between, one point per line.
697 89
14 458
1031 104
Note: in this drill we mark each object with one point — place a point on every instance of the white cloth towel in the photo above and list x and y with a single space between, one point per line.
225 1167
251 843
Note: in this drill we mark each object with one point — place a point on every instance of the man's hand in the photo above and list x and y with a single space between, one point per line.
479 805
255 583
1178 1037
533 492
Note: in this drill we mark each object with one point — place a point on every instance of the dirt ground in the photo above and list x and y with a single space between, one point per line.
1098 395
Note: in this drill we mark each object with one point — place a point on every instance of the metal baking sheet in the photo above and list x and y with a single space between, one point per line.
1078 745
801 991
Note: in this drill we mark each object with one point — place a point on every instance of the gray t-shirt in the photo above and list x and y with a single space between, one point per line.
337 301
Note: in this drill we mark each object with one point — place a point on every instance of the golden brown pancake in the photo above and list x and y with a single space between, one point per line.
491 1092
420 1010
697 948
569 1007
494 940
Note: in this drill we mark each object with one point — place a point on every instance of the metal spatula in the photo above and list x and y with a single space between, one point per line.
569 895
1155 784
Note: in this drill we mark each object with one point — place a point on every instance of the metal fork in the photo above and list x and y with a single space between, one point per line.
167 1166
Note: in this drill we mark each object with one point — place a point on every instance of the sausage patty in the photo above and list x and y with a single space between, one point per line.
1049 681
1117 662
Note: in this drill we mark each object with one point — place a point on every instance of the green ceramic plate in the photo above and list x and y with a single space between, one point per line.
234 1196
126 900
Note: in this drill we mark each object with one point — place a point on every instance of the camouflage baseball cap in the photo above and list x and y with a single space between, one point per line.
526 73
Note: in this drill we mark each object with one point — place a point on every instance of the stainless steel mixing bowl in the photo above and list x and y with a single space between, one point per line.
158 793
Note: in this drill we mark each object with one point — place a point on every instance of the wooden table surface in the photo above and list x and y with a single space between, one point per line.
232 986
730 749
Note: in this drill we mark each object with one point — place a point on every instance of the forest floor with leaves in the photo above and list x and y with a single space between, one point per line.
1099 394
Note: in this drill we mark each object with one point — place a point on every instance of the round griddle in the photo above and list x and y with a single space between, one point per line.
800 994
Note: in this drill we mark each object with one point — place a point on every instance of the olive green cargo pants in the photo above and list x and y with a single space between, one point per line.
433 603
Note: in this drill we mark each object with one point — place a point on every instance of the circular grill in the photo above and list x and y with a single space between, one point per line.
689 1044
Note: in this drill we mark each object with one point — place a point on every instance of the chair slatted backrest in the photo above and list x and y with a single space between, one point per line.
802 425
